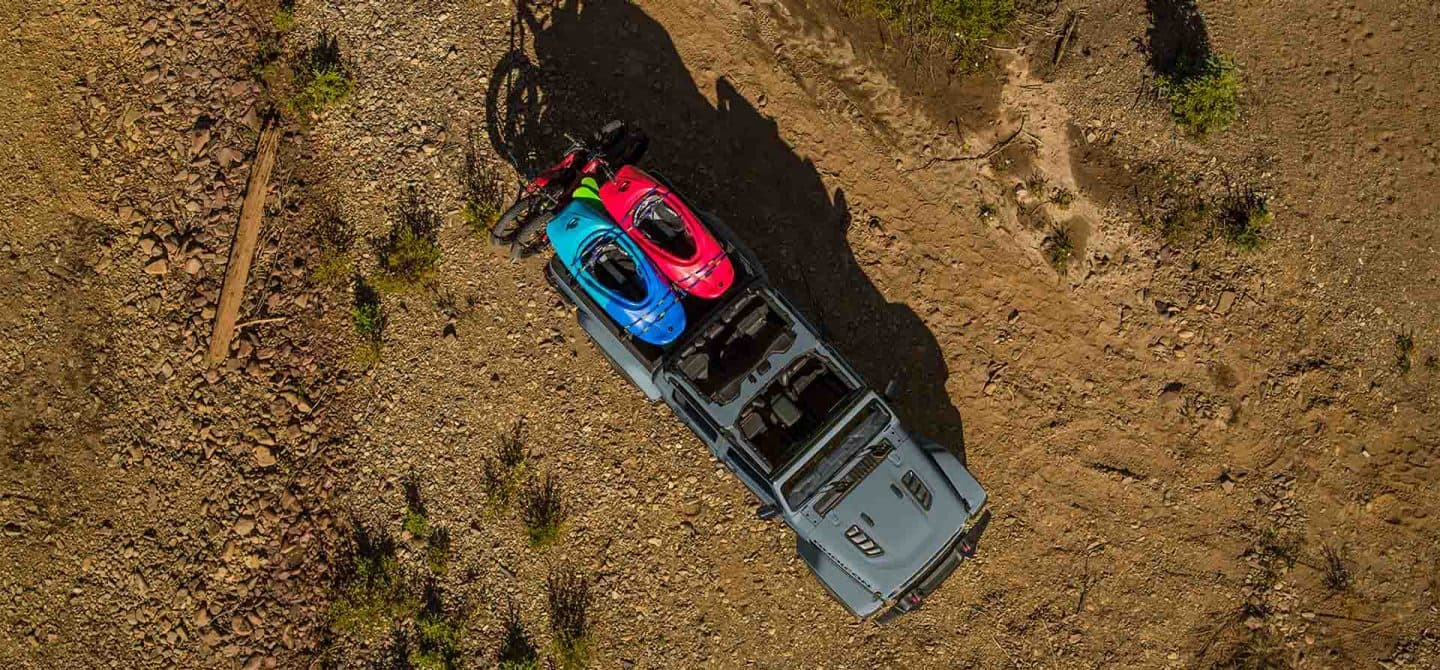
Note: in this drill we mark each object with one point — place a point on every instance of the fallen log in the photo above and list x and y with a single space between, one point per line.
242 248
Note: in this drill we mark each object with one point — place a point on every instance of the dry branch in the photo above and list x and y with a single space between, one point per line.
999 146
1063 45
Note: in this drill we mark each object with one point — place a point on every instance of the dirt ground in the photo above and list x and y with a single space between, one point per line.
1184 443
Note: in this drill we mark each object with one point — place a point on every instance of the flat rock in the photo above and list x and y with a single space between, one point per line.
1227 300
227 157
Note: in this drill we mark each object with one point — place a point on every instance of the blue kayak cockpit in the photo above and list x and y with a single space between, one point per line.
613 270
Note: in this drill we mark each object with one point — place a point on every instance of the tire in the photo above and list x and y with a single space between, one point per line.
632 148
610 132
621 144
530 238
505 228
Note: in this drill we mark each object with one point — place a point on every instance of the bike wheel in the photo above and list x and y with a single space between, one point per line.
509 223
531 239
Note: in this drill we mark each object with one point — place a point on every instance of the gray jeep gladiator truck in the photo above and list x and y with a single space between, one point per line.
881 515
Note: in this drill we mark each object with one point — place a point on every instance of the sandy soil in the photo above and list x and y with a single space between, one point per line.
1172 433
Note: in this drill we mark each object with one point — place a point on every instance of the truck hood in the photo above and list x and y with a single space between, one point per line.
909 536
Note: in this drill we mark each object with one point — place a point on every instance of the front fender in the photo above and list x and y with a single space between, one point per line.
960 478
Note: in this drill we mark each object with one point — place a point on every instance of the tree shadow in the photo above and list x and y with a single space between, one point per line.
1179 44
596 61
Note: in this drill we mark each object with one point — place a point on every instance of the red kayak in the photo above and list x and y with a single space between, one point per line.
669 233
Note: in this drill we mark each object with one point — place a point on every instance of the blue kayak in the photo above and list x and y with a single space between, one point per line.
610 267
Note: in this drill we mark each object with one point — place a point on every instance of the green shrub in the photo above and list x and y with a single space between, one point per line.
480 215
437 550
1188 216
373 593
1243 217
321 89
962 27
434 628
484 190
1038 185
1206 98
1058 248
568 597
330 267
415 524
366 312
503 473
413 520
437 635
543 511
321 77
409 253
1404 346
439 639
334 236
368 317
284 18
369 322
517 651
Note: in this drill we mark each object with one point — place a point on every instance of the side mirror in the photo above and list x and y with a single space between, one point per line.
891 388
767 512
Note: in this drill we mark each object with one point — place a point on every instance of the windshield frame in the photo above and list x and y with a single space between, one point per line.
828 445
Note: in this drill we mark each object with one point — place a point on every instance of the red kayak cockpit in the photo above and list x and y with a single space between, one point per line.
663 226
669 232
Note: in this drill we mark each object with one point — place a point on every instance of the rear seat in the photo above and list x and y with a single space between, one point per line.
751 323
751 424
785 411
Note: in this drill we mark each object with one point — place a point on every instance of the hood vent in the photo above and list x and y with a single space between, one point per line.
863 542
917 488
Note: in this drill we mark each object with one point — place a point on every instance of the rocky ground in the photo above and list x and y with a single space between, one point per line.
1185 443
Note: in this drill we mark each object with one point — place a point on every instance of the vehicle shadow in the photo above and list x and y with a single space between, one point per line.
596 61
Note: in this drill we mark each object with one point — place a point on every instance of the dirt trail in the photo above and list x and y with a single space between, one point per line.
1170 433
